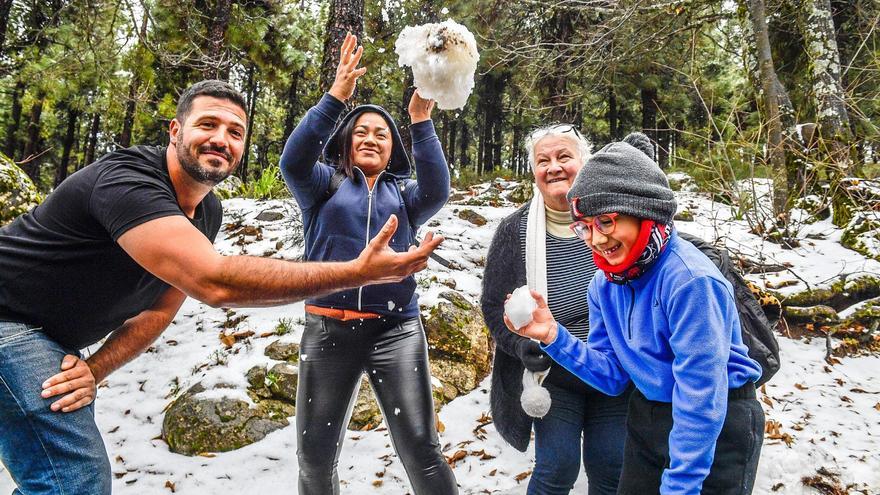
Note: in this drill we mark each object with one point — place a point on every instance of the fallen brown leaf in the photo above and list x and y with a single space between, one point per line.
522 476
170 485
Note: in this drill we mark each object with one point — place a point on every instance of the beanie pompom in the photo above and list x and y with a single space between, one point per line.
535 399
642 143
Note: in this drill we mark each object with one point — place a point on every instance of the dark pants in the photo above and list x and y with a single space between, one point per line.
592 423
394 355
736 451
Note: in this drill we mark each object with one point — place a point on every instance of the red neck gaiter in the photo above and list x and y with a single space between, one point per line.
634 253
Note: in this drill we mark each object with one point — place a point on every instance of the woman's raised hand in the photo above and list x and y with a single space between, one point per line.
419 108
347 72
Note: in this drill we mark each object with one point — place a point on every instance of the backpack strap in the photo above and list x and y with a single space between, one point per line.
335 182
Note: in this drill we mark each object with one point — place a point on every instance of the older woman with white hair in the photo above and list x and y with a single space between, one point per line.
535 246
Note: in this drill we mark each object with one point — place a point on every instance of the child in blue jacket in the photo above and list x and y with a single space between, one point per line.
373 329
663 317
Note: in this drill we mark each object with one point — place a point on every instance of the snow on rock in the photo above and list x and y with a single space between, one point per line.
443 57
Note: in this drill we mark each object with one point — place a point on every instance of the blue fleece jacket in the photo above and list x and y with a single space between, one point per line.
675 333
339 228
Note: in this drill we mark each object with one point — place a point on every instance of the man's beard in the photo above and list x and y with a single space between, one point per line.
190 163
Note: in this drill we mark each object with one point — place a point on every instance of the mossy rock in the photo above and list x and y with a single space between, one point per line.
282 381
283 351
194 425
455 329
230 187
868 315
472 217
819 315
521 193
862 286
18 194
684 216
862 234
366 412
811 297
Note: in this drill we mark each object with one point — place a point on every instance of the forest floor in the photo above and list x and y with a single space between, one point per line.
823 420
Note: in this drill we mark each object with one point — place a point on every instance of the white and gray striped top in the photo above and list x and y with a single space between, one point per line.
570 269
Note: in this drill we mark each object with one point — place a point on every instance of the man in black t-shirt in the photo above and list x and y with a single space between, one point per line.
115 250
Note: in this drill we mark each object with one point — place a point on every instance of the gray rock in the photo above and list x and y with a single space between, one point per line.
194 425
283 351
458 344
231 187
270 216
472 217
282 380
366 413
17 193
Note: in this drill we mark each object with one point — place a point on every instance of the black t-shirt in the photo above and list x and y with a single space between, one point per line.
60 265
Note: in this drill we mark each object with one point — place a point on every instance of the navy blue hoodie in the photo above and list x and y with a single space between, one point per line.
339 228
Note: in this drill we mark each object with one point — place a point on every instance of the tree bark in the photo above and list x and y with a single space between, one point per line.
5 7
611 115
344 16
253 90
14 121
817 28
67 147
124 138
772 91
649 114
32 145
217 63
93 139
292 103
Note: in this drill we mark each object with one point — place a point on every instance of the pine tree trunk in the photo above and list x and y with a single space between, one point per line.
344 16
67 147
817 28
649 114
124 138
32 145
93 139
217 63
611 115
292 103
450 150
770 90
464 144
14 121
5 7
253 93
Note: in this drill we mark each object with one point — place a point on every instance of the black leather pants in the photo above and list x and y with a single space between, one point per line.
394 355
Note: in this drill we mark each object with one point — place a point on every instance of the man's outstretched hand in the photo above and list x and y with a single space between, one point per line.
381 264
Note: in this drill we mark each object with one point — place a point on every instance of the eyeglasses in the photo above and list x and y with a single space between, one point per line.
605 224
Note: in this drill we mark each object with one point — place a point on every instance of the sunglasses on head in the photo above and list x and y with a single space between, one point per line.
604 223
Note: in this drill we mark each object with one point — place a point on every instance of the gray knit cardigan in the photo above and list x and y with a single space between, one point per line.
505 271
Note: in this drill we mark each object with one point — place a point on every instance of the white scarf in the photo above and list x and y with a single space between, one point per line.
536 245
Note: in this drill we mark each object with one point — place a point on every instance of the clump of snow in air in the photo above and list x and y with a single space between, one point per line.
520 306
443 57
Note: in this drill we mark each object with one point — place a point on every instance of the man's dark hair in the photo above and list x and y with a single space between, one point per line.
210 87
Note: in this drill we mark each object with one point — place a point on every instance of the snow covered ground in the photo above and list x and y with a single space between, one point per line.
823 418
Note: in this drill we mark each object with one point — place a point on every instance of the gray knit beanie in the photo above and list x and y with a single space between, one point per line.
623 178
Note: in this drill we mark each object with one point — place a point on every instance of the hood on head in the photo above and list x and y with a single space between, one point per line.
400 165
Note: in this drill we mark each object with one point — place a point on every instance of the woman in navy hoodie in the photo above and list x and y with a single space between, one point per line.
373 329
663 317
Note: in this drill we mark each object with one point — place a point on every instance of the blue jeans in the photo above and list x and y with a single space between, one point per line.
45 452
591 421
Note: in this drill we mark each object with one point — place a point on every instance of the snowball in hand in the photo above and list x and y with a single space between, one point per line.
520 307
443 57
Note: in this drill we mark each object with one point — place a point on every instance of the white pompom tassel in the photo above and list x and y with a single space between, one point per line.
535 399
